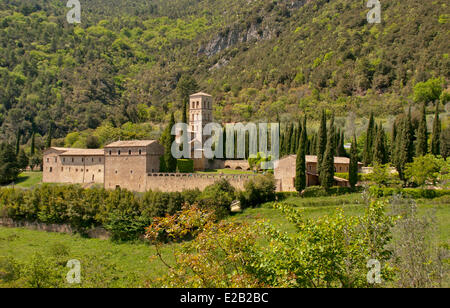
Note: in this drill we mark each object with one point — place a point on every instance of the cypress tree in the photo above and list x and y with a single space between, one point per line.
168 162
327 169
48 143
410 138
445 143
321 141
435 141
403 141
368 147
393 142
422 134
379 153
300 174
292 149
353 168
18 142
341 149
33 143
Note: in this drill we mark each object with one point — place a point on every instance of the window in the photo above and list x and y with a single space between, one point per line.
140 152
51 169
48 160
110 152
100 159
92 159
116 171
131 171
118 152
99 170
129 152
82 159
62 169
64 160
87 170
72 159
56 159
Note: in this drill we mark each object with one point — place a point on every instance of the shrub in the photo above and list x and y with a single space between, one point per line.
218 197
190 195
185 165
318 191
258 190
414 193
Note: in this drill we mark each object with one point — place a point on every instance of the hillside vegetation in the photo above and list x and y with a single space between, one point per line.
260 59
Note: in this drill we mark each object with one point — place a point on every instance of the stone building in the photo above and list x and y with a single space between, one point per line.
77 166
127 163
134 165
200 114
285 171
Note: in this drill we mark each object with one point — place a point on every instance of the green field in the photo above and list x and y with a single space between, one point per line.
226 171
108 264
29 179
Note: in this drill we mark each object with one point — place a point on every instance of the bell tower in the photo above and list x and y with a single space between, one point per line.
200 114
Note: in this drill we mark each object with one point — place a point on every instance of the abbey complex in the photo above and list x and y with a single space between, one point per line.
134 165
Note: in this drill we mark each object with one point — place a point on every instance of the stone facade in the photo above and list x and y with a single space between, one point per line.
127 163
171 182
76 166
285 172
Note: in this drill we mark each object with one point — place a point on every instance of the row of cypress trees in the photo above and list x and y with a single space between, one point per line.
328 143
405 142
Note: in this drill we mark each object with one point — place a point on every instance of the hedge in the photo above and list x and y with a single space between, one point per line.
125 214
415 193
185 165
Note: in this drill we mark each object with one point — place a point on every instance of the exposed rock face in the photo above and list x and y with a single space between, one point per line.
240 34
232 37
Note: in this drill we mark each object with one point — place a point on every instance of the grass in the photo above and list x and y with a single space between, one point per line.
103 263
28 179
109 264
226 171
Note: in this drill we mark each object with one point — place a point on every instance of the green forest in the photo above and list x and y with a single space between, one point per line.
261 60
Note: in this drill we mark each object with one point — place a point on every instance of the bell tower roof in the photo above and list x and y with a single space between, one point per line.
200 94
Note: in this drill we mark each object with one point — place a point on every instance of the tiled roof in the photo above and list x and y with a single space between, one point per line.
313 159
132 143
83 152
200 94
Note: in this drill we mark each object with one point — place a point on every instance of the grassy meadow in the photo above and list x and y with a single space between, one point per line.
108 264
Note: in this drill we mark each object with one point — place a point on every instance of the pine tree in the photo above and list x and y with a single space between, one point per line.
368 147
321 141
327 169
353 168
300 175
422 134
436 139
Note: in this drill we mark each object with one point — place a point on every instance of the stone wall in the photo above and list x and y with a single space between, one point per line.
172 182
229 164
98 232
